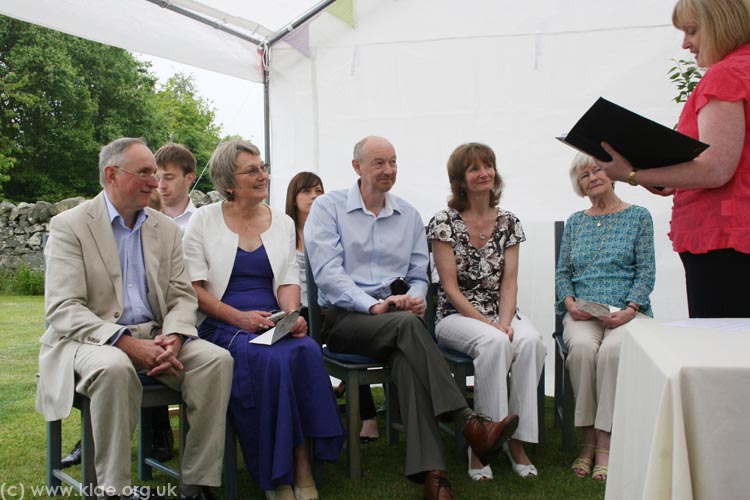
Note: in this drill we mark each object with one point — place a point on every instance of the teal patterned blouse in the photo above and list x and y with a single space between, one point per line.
608 259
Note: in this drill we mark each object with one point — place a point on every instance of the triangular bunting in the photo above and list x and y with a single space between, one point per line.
300 39
344 10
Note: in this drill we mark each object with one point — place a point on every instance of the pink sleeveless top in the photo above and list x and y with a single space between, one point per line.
718 218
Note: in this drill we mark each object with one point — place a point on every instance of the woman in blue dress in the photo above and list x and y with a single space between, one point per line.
240 254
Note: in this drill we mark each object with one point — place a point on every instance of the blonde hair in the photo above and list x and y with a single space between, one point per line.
724 24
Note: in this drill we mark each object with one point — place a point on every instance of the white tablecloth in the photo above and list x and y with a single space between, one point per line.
682 414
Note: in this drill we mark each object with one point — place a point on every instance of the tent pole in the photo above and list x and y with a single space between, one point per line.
214 24
298 22
266 107
264 50
266 55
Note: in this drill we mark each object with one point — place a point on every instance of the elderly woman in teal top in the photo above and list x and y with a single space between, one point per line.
606 256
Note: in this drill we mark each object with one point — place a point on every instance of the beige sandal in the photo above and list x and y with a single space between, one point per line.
306 493
281 493
600 471
582 466
305 489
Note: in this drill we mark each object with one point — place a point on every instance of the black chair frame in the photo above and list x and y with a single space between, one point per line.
564 402
154 394
355 371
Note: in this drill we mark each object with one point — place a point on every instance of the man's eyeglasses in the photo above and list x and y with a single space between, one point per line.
144 175
255 171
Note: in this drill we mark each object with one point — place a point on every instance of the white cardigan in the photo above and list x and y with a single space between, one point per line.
210 249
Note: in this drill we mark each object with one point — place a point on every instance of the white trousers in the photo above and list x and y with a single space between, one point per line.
593 359
494 356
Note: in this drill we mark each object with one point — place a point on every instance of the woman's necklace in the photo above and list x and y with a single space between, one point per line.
242 221
484 228
246 227
601 242
599 217
245 224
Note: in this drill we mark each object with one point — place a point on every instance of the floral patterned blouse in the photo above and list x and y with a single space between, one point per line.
480 270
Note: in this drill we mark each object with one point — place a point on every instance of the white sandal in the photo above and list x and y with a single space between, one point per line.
522 470
483 474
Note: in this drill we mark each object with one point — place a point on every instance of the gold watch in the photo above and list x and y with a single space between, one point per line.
631 177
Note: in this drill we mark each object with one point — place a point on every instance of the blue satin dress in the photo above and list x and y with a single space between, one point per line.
281 394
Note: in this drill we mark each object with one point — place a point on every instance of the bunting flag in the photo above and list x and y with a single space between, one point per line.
300 39
344 10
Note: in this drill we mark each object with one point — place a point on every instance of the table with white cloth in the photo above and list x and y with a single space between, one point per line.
682 412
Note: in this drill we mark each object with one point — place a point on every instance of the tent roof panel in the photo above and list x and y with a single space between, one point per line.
143 26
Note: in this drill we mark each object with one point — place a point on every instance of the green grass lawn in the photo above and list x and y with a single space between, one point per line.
22 440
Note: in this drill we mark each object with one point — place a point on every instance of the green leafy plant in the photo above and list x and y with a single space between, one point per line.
24 281
685 75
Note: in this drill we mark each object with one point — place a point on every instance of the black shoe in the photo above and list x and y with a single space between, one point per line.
139 493
163 445
143 493
205 494
72 458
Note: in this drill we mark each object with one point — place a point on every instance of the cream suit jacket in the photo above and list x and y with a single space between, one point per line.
83 293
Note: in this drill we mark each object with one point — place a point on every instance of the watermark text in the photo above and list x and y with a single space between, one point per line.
18 491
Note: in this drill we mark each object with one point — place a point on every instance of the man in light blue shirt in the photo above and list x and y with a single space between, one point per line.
368 254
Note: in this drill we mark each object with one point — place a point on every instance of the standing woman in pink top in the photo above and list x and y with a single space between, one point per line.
710 225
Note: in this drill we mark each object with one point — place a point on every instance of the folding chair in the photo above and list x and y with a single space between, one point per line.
564 404
462 366
354 370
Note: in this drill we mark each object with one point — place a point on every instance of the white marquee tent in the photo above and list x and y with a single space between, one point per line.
428 75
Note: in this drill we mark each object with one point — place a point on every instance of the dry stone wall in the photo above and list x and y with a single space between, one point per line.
23 226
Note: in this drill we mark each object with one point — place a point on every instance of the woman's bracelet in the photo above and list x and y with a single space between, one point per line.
633 307
216 312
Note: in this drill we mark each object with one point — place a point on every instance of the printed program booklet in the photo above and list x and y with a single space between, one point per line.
595 308
281 330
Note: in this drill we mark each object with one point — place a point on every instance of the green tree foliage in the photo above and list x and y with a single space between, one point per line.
182 116
62 97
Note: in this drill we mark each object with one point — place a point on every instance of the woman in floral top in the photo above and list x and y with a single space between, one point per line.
606 256
475 247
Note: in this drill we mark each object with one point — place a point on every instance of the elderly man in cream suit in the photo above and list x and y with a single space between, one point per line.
118 301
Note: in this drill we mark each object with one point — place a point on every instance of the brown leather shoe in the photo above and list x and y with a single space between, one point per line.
437 486
486 437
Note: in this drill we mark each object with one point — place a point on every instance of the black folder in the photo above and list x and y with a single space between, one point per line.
643 142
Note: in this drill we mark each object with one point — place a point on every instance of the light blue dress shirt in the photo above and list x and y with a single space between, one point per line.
136 308
355 255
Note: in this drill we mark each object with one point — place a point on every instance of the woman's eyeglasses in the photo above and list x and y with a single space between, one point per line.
255 171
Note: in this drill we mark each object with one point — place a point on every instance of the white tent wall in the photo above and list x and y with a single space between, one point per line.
429 77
